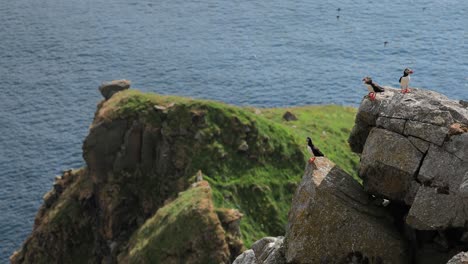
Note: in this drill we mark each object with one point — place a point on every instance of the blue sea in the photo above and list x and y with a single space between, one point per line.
264 53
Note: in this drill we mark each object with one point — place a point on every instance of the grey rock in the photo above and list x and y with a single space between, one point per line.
388 164
419 106
442 169
420 144
332 219
268 250
428 132
463 190
460 258
414 149
247 257
288 116
108 89
411 192
392 124
464 103
436 210
458 146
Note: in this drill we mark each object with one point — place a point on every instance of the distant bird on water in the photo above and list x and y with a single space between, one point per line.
338 9
405 80
385 43
372 87
313 150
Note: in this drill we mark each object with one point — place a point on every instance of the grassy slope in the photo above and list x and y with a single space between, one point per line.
192 217
262 189
329 126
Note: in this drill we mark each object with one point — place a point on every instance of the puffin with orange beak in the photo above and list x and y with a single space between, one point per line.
372 87
405 80
313 150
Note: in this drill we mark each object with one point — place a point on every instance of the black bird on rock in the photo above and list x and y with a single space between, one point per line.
313 150
372 87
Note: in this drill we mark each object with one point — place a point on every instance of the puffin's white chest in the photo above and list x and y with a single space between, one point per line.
369 87
310 150
405 81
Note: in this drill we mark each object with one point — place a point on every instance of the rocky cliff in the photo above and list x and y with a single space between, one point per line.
412 205
414 152
133 203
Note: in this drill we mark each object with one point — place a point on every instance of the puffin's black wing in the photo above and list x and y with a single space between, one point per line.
377 88
400 79
317 152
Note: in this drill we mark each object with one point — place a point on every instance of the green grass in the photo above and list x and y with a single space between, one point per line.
261 187
329 126
171 233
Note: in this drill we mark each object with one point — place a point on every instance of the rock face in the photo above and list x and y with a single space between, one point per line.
332 220
268 250
414 152
138 158
190 228
460 258
108 89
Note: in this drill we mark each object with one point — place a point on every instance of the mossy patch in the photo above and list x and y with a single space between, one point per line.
187 230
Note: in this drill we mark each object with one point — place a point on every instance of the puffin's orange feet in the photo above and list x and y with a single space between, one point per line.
405 90
311 160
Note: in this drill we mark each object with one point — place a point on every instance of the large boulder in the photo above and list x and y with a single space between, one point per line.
108 89
333 220
414 152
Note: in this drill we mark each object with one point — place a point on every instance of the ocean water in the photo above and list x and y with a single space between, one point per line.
265 53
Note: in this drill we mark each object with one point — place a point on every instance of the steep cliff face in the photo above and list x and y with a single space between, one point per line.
414 152
141 151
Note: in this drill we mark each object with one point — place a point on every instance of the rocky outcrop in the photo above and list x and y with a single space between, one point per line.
332 220
268 250
108 89
141 151
414 152
190 229
460 258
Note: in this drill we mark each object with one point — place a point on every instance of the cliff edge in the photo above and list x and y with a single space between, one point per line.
141 152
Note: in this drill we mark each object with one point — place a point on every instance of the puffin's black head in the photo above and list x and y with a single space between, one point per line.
309 140
367 80
407 71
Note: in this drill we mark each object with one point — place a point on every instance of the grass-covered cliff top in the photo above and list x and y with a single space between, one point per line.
260 186
328 125
144 149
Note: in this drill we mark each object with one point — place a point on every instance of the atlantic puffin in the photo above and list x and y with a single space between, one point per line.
372 87
313 150
405 79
